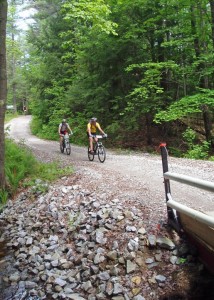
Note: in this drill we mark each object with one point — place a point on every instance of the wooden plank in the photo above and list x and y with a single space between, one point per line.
200 230
206 254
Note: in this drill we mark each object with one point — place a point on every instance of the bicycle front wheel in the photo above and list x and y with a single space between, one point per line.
101 154
62 147
68 148
90 155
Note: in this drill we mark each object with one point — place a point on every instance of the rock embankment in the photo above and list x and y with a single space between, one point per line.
75 243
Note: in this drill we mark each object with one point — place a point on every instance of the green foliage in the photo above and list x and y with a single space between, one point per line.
186 106
78 125
16 79
127 62
3 198
117 131
175 151
189 136
93 14
195 151
114 129
22 169
40 188
50 130
199 151
10 115
14 174
35 125
51 171
19 163
147 96
47 173
182 260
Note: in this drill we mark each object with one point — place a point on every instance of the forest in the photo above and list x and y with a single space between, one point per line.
144 68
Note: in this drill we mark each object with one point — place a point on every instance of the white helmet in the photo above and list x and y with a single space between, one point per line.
93 119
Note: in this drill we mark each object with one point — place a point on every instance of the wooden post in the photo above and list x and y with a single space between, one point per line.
172 216
164 155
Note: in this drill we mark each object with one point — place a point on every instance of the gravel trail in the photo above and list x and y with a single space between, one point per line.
140 174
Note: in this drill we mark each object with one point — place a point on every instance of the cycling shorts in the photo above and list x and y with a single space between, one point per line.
93 134
63 131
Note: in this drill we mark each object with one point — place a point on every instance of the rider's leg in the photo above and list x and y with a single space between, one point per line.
95 140
91 143
61 139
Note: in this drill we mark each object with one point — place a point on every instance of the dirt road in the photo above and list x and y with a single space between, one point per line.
135 175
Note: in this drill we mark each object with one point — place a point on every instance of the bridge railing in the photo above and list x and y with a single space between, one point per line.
173 206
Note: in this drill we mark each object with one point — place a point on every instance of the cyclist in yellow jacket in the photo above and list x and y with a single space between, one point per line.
92 127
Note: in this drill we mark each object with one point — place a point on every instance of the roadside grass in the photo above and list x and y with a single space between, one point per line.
23 170
10 115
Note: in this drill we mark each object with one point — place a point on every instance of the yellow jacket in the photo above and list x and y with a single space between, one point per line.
93 128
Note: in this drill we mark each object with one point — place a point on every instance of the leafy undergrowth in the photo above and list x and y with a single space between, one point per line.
22 170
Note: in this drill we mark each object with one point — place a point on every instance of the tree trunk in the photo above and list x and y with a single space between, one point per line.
204 81
149 119
3 87
194 31
212 19
13 72
207 125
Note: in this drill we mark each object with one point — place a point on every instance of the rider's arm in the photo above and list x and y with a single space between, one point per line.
89 129
59 129
69 128
100 129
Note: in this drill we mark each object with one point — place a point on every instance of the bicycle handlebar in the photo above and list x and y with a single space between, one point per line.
69 134
101 136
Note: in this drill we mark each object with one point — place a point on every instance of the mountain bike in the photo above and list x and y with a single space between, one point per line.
65 145
99 150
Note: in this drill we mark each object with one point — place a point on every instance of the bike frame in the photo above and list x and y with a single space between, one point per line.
66 138
66 144
99 150
97 145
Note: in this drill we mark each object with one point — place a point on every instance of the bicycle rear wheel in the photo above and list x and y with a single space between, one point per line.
90 155
101 154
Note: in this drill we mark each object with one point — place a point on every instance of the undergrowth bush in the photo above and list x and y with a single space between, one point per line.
195 150
10 115
199 151
35 125
50 131
22 169
19 163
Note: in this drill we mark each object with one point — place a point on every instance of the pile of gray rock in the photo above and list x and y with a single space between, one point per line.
71 243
